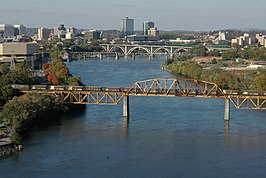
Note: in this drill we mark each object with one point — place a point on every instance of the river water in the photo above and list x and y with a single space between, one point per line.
165 137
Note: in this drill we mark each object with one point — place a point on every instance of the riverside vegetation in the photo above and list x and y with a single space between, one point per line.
23 112
185 65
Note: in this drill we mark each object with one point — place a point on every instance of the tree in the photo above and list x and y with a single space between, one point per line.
260 82
198 50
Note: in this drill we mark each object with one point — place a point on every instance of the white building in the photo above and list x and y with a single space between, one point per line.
244 40
43 33
261 39
153 32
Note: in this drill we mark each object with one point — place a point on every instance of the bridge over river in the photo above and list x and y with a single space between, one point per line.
159 87
126 50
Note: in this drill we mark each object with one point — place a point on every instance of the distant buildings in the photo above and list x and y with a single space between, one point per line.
261 39
92 35
153 32
147 25
244 40
127 26
6 30
71 33
20 30
60 31
223 36
43 33
248 39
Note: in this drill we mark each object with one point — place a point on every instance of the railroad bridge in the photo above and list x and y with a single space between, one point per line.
159 87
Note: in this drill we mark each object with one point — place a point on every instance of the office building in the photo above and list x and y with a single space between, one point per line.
43 33
147 25
6 30
127 26
20 30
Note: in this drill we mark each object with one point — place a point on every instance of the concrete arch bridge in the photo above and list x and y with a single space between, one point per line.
151 50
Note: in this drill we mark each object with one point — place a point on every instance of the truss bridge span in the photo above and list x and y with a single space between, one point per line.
159 87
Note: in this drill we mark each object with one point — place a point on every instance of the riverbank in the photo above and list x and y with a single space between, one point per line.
9 149
23 113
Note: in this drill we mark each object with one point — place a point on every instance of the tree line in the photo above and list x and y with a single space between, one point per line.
184 65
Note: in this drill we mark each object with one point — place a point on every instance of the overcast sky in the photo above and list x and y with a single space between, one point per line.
106 14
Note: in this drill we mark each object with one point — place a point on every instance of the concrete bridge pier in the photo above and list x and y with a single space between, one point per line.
100 55
126 106
116 56
227 109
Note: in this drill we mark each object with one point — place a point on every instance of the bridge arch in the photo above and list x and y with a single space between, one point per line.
138 47
115 47
103 47
179 51
161 48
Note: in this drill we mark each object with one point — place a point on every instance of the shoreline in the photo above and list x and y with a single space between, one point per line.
9 149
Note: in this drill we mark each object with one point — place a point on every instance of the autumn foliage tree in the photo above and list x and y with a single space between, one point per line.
58 73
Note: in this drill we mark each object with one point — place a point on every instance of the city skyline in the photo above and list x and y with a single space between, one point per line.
168 15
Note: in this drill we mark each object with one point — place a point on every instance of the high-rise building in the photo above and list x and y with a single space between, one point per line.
147 25
20 30
6 30
43 33
127 26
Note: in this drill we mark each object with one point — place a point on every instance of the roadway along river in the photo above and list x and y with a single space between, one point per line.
165 137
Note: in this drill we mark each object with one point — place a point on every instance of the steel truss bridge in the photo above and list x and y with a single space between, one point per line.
159 87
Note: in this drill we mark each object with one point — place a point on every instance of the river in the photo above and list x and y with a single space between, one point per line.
165 137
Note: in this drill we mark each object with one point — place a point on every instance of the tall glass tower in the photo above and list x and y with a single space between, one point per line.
127 26
147 25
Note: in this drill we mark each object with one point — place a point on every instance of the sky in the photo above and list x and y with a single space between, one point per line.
195 15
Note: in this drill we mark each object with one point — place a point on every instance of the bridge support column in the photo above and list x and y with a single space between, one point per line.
227 109
116 56
100 55
126 106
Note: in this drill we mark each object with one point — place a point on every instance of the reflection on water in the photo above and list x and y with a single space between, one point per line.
126 126
165 137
